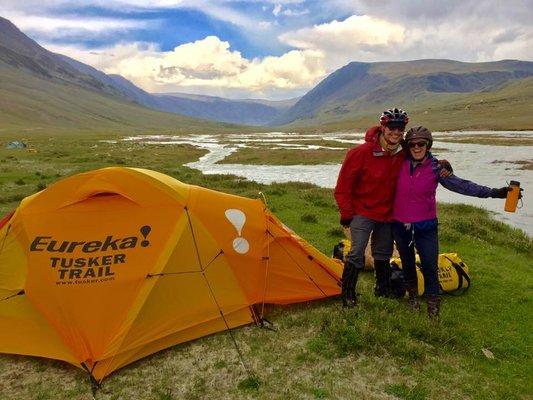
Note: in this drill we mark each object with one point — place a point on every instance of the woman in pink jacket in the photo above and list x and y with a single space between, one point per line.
415 214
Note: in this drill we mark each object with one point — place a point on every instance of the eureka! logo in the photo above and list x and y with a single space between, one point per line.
88 269
49 244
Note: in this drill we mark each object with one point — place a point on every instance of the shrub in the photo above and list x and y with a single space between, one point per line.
251 383
309 218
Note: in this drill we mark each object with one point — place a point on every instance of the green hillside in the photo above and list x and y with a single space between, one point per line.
428 66
506 108
31 103
493 95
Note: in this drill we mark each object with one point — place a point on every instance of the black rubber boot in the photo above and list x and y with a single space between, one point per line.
383 273
433 307
412 296
349 280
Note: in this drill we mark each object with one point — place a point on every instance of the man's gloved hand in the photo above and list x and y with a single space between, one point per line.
446 169
345 222
501 193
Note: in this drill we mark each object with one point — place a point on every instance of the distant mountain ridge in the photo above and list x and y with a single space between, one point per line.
359 87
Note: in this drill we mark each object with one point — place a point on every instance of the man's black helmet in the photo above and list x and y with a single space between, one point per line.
394 116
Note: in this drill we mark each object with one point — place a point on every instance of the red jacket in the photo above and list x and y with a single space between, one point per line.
367 180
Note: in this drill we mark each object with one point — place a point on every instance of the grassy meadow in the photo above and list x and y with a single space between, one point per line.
480 349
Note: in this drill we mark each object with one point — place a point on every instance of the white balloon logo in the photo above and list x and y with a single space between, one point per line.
238 219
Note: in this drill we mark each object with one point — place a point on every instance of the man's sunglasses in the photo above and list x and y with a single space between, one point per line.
417 144
393 127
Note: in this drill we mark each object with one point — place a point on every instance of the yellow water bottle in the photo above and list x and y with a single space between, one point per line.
512 196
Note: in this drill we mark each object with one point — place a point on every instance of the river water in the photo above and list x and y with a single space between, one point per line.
489 165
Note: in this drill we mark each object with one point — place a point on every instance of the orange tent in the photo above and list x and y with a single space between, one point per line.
106 267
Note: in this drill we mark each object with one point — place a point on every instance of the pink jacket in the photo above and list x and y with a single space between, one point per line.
415 198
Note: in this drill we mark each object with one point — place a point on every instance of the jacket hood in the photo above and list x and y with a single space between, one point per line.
372 134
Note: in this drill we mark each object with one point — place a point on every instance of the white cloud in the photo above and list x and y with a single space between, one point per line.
56 27
348 34
278 10
293 70
288 12
293 13
206 66
217 9
466 41
354 39
371 39
105 59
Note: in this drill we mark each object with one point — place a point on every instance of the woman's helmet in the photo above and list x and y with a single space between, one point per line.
419 132
394 116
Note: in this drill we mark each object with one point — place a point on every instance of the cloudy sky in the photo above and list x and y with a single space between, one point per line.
272 49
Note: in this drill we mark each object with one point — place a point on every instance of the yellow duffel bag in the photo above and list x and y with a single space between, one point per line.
341 250
453 274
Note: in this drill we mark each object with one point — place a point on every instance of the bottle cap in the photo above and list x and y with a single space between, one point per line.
514 183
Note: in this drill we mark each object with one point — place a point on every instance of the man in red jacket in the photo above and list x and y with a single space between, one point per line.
365 194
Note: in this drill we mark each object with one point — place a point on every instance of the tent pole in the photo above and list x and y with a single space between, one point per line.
19 293
247 368
5 237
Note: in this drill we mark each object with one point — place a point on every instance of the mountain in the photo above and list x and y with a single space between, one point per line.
249 112
43 91
359 90
20 52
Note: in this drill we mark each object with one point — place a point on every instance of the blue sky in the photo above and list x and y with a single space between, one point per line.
267 48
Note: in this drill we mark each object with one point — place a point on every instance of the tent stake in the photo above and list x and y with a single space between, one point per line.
95 385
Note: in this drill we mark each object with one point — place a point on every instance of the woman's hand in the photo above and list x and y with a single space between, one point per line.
501 193
445 169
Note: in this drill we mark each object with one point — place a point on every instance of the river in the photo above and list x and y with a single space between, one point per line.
490 165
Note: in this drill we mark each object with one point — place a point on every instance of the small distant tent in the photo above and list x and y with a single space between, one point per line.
16 145
106 267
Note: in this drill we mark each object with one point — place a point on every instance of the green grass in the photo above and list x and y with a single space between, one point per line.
319 351
284 156
491 140
272 154
23 172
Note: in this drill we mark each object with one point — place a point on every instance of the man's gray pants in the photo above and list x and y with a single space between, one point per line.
361 228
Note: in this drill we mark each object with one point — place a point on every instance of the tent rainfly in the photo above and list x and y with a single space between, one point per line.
106 267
